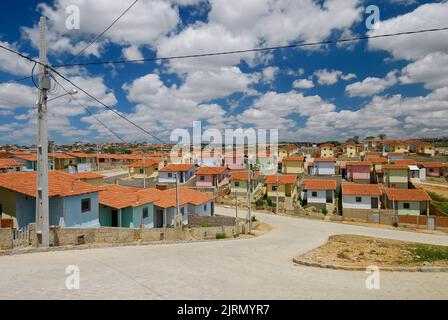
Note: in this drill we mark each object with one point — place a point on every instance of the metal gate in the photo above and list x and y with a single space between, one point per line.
21 237
431 223
376 217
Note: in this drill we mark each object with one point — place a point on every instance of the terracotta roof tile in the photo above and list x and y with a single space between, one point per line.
168 197
242 175
354 189
319 184
359 163
119 197
294 158
146 163
210 170
172 167
378 160
325 160
407 194
86 175
396 166
9 163
60 184
433 164
282 179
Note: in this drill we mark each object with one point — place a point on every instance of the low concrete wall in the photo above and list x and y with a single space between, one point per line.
214 221
5 238
76 236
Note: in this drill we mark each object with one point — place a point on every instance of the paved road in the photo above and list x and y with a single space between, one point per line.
257 268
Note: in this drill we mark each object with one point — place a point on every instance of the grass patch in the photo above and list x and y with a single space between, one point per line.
437 197
426 252
221 235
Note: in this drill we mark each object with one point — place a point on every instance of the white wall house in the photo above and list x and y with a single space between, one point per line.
361 196
318 192
184 173
324 166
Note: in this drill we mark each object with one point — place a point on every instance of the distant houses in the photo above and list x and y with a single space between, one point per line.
293 165
184 172
319 193
323 166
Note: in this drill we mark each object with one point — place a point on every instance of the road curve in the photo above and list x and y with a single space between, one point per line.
257 268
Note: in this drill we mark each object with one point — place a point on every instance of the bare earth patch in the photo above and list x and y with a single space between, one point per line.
361 251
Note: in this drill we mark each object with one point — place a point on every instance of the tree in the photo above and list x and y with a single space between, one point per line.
382 136
369 138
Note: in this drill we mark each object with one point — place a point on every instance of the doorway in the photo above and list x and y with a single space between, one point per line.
158 221
374 202
114 218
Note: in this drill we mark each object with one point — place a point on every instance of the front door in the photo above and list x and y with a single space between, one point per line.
114 218
374 202
158 221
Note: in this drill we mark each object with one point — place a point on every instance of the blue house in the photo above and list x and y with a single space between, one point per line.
72 203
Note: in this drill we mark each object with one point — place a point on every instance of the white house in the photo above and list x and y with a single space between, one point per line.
318 192
323 166
184 173
361 196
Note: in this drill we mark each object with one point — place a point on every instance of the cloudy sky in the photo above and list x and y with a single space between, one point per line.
397 86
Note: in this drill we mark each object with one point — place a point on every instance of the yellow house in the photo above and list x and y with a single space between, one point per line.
398 146
293 165
326 150
287 151
284 184
146 168
422 147
352 150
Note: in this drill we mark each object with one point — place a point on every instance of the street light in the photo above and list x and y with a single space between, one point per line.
72 92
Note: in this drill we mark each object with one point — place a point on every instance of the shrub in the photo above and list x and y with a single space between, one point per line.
324 211
269 201
254 218
220 235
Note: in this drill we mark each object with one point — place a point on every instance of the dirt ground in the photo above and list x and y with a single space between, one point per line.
442 190
353 250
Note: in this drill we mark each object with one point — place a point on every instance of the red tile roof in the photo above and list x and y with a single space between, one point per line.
378 160
210 170
294 158
119 197
60 184
9 163
319 184
405 161
190 196
60 156
354 189
82 155
146 163
282 179
29 157
177 167
407 194
242 175
433 164
397 166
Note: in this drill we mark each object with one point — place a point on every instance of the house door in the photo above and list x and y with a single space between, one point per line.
374 203
212 210
114 218
431 223
158 221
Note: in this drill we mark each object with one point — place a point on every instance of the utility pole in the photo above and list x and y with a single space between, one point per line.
177 196
276 200
249 195
97 157
42 214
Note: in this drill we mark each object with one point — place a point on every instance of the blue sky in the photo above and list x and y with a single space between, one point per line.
396 86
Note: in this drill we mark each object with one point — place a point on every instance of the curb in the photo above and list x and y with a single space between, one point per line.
299 261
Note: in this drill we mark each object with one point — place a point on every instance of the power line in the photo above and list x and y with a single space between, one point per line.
300 45
102 33
88 110
105 105
19 79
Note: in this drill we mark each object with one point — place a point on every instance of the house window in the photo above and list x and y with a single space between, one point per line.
205 207
431 170
314 194
170 175
358 199
202 178
85 205
237 183
182 211
145 213
274 188
406 205
141 171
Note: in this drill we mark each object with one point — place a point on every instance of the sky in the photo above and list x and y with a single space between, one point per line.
397 86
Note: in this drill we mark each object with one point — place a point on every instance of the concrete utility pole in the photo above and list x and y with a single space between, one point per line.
42 207
249 195
276 200
177 196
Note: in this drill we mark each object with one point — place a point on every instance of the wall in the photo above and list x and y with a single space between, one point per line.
5 239
358 172
73 217
8 202
321 196
26 210
207 182
214 221
325 168
349 202
398 177
292 167
414 207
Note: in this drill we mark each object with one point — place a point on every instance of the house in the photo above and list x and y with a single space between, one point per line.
434 169
378 168
351 149
211 177
319 193
28 160
267 164
361 196
127 207
84 161
61 161
398 146
372 154
293 165
191 202
10 165
396 176
323 166
146 168
422 147
407 201
184 172
72 203
239 179
287 151
92 178
326 150
282 185
359 171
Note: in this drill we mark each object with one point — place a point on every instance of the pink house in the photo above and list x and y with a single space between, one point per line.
433 169
358 171
211 177
234 161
